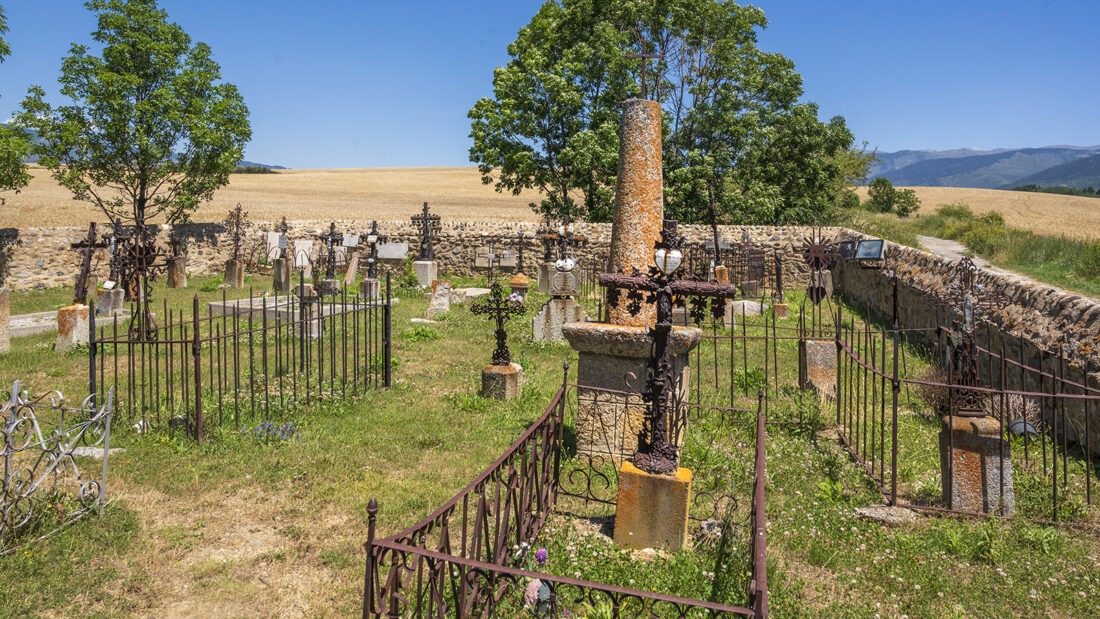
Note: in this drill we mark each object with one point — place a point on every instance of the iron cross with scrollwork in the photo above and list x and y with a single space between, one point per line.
86 248
657 452
373 239
235 224
501 309
520 238
116 237
548 238
328 242
428 225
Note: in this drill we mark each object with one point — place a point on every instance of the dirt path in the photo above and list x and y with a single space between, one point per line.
954 251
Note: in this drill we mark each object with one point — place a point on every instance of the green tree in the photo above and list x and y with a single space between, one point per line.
552 123
880 195
906 202
14 145
151 131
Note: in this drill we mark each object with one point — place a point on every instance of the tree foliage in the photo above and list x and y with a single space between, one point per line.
739 145
152 131
14 145
883 197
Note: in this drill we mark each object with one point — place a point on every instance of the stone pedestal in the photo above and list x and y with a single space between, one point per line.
546 326
308 312
501 382
722 274
651 511
353 270
973 470
5 320
328 287
427 271
72 327
177 272
546 273
615 358
234 274
782 311
280 277
441 299
370 289
110 302
519 284
817 362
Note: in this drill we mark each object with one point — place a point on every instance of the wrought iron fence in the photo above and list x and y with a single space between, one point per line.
460 560
43 487
245 360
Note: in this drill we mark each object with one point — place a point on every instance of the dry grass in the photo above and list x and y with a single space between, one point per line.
1042 213
362 194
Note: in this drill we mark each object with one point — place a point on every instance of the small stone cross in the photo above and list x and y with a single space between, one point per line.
499 308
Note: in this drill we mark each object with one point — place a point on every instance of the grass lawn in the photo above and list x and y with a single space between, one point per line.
246 528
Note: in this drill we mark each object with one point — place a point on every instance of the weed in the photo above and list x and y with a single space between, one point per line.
420 333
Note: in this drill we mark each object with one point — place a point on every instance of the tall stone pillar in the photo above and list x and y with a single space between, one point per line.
5 320
614 356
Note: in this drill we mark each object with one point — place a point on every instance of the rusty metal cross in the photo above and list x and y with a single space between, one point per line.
86 248
428 224
499 308
645 57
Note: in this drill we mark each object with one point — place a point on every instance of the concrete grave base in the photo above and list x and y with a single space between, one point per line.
280 275
546 326
72 327
502 382
651 511
460 296
611 375
234 274
973 471
5 320
177 272
110 302
328 287
370 289
427 271
817 360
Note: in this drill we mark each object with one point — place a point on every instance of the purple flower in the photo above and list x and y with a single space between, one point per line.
541 556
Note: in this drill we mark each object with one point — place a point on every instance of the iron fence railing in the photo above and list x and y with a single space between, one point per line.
460 560
248 361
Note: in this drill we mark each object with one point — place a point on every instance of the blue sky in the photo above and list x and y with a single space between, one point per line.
367 83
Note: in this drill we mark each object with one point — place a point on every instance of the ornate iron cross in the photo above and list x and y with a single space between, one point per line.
235 224
657 452
283 229
114 240
519 250
329 241
373 239
86 249
428 224
499 308
645 57
548 238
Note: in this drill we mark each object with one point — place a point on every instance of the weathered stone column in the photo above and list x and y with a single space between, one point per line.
72 327
639 200
177 272
234 274
281 275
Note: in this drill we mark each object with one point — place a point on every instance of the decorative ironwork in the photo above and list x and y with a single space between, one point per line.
141 261
236 223
327 255
500 308
657 451
520 239
373 240
548 238
86 248
818 253
428 224
44 489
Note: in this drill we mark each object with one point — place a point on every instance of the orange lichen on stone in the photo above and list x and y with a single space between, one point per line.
639 200
652 510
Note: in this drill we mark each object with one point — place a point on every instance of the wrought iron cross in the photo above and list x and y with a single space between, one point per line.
235 223
567 239
657 452
329 242
428 224
549 238
519 251
645 57
114 239
373 239
177 244
86 249
499 308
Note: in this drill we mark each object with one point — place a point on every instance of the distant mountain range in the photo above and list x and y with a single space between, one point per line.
1005 168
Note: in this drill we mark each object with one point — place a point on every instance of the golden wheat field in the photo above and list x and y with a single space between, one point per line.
362 194
1043 213
456 193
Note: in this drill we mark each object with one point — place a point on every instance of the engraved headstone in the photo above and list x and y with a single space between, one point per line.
393 251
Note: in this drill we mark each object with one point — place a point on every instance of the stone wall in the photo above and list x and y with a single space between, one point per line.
35 258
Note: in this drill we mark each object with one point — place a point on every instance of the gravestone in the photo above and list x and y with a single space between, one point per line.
425 266
177 272
972 468
817 363
441 299
303 250
519 285
275 245
390 253
72 327
561 309
110 300
353 270
486 256
5 320
234 273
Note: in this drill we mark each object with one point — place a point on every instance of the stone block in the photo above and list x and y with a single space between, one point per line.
651 511
110 302
72 327
5 320
353 270
460 296
441 299
501 382
972 467
750 289
177 272
427 271
234 274
370 289
280 276
737 309
818 361
328 287
546 326
546 271
782 311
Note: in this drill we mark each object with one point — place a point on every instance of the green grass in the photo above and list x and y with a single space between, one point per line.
303 501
